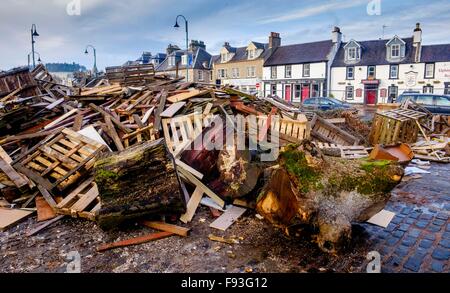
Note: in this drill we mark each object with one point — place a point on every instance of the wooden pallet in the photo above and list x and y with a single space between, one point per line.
82 202
131 75
327 132
347 152
61 161
139 136
182 130
395 126
290 130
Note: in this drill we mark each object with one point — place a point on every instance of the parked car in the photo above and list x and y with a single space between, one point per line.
324 104
436 104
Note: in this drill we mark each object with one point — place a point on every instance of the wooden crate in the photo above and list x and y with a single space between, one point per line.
182 130
395 126
82 202
289 130
60 162
327 132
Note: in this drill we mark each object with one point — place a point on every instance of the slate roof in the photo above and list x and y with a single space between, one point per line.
241 53
435 53
300 53
374 53
200 56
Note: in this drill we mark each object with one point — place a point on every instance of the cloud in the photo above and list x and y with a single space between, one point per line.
313 10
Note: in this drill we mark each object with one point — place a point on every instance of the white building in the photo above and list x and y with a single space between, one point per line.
297 72
371 72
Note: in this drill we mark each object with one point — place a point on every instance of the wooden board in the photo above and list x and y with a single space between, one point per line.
185 96
172 110
192 206
44 210
382 219
10 217
228 218
181 231
134 241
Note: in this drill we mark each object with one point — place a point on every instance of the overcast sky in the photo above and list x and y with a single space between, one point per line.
122 30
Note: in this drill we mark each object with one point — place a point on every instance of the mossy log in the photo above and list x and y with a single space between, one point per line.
326 193
137 182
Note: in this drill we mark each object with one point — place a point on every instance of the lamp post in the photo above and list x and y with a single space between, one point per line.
33 34
29 57
187 43
94 70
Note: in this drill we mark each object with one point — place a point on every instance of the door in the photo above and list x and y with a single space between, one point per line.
305 92
287 92
371 94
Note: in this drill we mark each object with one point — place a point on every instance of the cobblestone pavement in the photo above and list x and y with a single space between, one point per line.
418 238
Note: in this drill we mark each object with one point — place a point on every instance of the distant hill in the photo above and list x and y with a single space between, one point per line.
64 67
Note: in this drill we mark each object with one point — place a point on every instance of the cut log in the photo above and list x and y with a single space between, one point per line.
326 193
138 182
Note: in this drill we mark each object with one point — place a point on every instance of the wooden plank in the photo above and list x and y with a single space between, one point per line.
9 217
203 187
159 110
181 231
60 119
86 199
147 115
382 219
111 131
78 123
185 96
4 155
113 119
12 174
69 198
48 198
228 218
135 241
172 110
192 206
189 169
44 210
44 225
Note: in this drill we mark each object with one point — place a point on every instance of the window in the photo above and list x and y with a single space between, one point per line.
288 71
352 54
200 75
273 89
184 59
251 71
210 76
315 90
392 93
424 100
447 88
350 73
235 72
306 70
395 51
222 73
429 70
297 92
251 54
370 72
172 61
393 72
349 93
223 57
428 89
273 72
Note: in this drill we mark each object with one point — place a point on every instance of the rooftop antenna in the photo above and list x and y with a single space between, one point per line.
384 28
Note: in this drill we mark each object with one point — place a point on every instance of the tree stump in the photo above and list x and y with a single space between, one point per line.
326 193
138 182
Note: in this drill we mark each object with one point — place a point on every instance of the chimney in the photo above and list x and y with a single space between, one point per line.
196 44
417 42
226 44
336 35
172 48
274 40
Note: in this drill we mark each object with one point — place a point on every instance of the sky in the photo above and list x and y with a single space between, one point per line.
122 30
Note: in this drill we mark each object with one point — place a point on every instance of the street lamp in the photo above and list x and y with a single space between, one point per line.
29 57
187 42
33 34
94 70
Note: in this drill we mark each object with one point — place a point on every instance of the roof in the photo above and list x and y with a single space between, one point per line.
300 53
200 56
435 53
241 53
374 53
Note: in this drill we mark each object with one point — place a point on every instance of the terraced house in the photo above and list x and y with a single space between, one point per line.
243 67
378 71
196 60
301 71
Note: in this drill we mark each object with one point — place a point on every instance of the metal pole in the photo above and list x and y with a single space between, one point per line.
32 47
187 51
95 63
